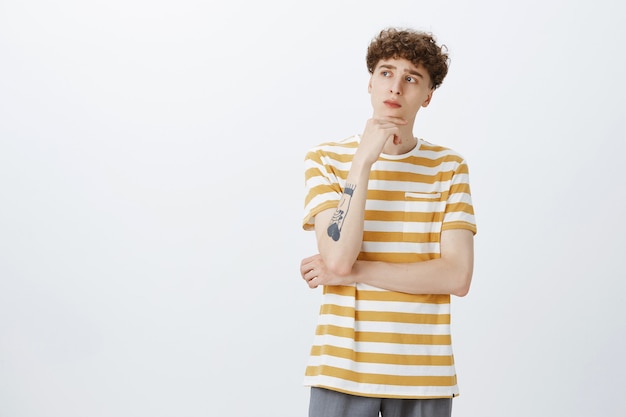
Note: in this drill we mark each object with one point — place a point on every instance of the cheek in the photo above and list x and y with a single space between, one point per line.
372 101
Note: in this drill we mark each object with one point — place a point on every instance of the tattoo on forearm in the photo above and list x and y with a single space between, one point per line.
336 222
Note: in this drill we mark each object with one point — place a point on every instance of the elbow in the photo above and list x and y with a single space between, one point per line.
461 291
339 264
339 268
462 284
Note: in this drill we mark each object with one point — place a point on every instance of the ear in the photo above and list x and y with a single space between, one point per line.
369 85
430 96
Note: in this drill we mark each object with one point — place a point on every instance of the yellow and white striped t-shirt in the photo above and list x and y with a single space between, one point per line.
373 342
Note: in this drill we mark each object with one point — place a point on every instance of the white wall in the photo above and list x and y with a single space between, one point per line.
151 196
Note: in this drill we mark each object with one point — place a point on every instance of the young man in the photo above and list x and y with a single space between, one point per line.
394 224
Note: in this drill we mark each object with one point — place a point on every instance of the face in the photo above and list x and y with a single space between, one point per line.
399 89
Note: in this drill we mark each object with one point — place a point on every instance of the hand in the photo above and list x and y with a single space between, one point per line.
313 270
377 132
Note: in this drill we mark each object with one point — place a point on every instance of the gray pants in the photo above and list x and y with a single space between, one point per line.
327 403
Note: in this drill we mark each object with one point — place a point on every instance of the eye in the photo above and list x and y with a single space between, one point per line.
411 79
385 73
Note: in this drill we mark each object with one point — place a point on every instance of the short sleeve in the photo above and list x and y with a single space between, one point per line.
459 212
322 187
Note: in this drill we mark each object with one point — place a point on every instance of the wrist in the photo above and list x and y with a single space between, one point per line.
360 166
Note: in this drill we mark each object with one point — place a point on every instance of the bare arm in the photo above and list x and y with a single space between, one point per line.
339 232
449 274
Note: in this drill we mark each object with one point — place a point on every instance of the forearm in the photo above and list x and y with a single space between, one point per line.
436 276
340 232
451 273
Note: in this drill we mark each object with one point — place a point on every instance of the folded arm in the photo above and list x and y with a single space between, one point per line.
449 274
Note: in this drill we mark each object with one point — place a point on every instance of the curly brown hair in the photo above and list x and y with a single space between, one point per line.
415 46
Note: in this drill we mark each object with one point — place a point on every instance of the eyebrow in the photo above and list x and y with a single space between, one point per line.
393 67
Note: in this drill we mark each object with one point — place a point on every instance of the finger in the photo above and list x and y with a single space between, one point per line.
389 123
309 259
396 120
305 273
314 256
306 265
309 275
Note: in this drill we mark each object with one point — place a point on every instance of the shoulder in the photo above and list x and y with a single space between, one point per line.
438 152
334 149
440 156
351 142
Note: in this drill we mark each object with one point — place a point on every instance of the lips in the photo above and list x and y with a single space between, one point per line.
392 103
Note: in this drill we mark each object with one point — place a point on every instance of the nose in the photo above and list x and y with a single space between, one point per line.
396 87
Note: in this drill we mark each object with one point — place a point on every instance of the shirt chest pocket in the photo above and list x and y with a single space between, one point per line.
423 216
